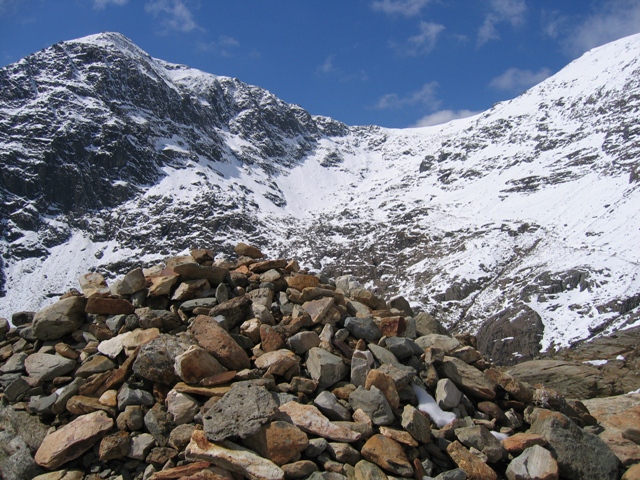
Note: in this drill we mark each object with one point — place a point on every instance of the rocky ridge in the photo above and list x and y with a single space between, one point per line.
254 368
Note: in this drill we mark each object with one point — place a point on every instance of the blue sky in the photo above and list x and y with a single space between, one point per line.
395 63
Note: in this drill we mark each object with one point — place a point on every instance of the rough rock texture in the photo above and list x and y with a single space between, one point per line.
57 320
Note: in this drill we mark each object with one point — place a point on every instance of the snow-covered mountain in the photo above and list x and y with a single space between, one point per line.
521 224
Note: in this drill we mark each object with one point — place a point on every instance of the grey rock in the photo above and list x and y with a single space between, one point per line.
158 423
16 389
403 347
131 419
368 471
16 461
443 342
42 404
328 404
15 363
364 328
57 320
182 407
180 436
468 379
240 413
480 438
362 362
190 305
133 396
222 293
448 396
4 327
426 325
115 322
65 393
580 455
401 303
22 318
302 342
383 356
156 359
534 463
316 447
373 403
96 364
325 368
131 283
19 423
47 367
455 474
416 423
140 446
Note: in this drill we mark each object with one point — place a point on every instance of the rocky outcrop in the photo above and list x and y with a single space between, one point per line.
214 389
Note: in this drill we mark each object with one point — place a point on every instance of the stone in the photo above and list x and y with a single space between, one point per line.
328 404
535 463
56 320
521 391
325 368
373 403
246 250
66 351
93 284
364 328
193 271
189 289
403 348
343 453
127 341
162 285
442 342
571 379
318 309
519 442
196 364
19 319
114 446
467 378
480 438
240 413
448 396
140 446
365 470
131 419
180 436
580 454
72 440
633 473
278 441
392 326
159 456
416 423
399 436
14 364
215 340
367 298
299 469
362 362
235 311
181 406
309 419
47 367
302 342
382 355
270 339
385 384
156 359
232 457
473 467
300 282
108 306
95 364
80 404
387 454
16 462
131 283
204 303
278 362
130 396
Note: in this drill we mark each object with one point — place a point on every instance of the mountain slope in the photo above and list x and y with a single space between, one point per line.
519 224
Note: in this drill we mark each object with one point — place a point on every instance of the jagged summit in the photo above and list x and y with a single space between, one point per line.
519 224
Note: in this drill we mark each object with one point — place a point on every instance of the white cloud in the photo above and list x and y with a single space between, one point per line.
425 96
518 80
174 14
443 116
613 20
408 8
327 66
223 46
502 11
102 4
425 41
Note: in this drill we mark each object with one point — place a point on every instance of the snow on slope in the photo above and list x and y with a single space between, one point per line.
534 202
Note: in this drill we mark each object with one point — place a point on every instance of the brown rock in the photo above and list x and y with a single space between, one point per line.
201 391
245 250
385 384
278 441
278 362
114 446
66 351
399 436
309 419
475 468
197 364
519 390
388 455
182 471
218 379
80 405
300 282
235 311
633 473
299 469
194 271
93 284
215 340
109 306
270 339
317 309
161 455
190 288
261 267
391 326
519 442
118 377
162 285
72 440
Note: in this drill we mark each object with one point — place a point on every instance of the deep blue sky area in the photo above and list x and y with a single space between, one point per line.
394 63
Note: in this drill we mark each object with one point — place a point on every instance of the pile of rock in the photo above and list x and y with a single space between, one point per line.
212 369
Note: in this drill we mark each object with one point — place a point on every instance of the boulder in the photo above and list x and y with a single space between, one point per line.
278 441
47 367
56 320
468 378
215 340
156 359
325 368
196 364
388 455
535 463
309 419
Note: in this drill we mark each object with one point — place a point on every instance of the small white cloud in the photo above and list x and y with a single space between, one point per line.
174 15
502 11
425 41
425 96
613 20
443 116
102 4
408 8
222 47
327 66
518 80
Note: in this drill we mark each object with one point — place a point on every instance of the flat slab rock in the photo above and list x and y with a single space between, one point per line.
240 413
